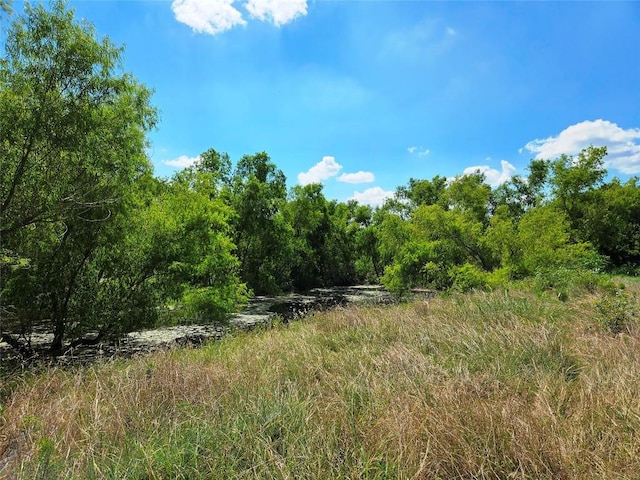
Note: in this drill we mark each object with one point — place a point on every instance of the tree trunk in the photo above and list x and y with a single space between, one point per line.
58 332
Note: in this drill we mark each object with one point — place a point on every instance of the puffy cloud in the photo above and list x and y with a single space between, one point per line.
324 169
374 196
623 146
207 16
420 151
182 161
494 177
279 12
358 177
217 16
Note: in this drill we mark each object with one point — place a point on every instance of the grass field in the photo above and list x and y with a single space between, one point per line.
507 384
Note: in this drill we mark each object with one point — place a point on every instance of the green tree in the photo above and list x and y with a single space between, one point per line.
520 194
575 183
614 223
72 146
216 168
545 243
424 192
366 244
393 232
69 120
501 240
442 243
177 251
257 196
340 248
324 244
471 195
308 216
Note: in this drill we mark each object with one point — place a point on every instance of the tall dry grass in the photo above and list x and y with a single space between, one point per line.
484 385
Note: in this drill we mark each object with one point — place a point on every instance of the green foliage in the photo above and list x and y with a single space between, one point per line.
567 282
613 220
333 243
464 234
9 260
501 239
257 195
617 312
499 277
417 264
365 243
67 118
212 305
574 177
91 242
73 139
470 195
178 250
424 192
468 277
544 241
393 232
427 249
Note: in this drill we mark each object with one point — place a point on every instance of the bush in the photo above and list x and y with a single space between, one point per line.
616 312
468 277
499 277
592 260
566 281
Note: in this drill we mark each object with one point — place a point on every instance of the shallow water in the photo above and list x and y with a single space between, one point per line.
260 310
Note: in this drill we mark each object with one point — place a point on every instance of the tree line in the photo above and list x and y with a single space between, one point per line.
93 245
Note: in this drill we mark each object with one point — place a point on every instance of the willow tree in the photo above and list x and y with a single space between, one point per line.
72 143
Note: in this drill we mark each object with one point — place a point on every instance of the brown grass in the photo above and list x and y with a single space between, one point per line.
485 385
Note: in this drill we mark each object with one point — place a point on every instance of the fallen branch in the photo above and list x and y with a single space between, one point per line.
23 349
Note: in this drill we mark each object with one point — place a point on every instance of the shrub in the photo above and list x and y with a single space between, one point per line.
563 281
616 312
499 277
468 277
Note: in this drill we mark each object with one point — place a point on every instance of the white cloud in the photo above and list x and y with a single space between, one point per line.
623 146
374 196
493 177
451 31
324 169
182 161
207 16
358 177
420 151
279 12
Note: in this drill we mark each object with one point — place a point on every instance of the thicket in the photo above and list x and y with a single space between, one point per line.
93 245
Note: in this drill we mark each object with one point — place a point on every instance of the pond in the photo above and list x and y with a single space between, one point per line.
260 310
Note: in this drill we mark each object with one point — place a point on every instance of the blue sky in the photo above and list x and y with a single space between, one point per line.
363 95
